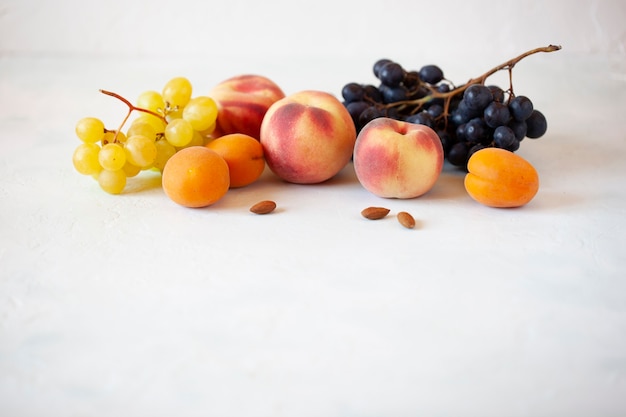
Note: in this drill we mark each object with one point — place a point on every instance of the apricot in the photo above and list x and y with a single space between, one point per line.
244 156
195 177
500 178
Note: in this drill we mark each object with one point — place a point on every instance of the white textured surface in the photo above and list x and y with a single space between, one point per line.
132 306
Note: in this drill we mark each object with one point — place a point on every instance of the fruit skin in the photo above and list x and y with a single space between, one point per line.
244 156
242 103
195 177
307 137
500 178
397 159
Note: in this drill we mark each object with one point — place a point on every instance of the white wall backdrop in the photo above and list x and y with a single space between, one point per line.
207 29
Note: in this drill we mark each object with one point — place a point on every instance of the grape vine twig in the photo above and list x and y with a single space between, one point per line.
447 96
131 108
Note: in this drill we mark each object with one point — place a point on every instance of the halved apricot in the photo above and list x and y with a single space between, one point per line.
501 178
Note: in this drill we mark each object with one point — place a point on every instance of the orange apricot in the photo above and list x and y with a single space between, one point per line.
500 178
195 177
244 156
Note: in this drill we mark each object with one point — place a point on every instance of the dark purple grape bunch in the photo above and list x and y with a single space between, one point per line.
366 102
466 118
487 116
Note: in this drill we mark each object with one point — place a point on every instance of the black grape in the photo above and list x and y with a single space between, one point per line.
476 130
378 65
477 97
498 93
391 74
504 137
355 108
496 114
353 92
521 108
393 94
458 154
431 74
536 125
519 128
421 118
373 93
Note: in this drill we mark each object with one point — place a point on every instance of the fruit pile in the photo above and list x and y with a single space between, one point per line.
467 118
397 134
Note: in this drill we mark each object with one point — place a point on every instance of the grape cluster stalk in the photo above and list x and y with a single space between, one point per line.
467 118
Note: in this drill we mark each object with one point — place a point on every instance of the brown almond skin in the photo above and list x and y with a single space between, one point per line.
263 207
406 220
374 213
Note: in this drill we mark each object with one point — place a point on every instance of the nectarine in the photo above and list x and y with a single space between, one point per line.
397 159
242 103
307 137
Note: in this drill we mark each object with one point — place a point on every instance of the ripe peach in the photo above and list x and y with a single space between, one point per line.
242 103
500 178
307 137
397 159
195 177
244 156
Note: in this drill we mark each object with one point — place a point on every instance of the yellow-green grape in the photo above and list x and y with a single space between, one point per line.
151 100
131 170
165 151
207 132
196 140
142 128
201 112
140 151
113 182
90 129
174 114
179 132
155 122
110 136
85 159
112 157
177 92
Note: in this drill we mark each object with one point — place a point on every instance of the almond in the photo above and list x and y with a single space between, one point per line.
406 219
375 213
263 207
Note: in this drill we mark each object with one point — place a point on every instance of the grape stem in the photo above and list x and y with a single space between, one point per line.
131 108
447 96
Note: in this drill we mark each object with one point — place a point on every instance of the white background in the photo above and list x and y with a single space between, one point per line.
166 30
210 41
132 306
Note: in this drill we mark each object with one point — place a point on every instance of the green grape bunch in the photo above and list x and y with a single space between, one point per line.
168 121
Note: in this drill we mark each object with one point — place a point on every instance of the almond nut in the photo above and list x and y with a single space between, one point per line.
263 207
375 213
406 219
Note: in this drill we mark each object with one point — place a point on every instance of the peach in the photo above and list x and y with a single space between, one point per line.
242 103
307 137
397 159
